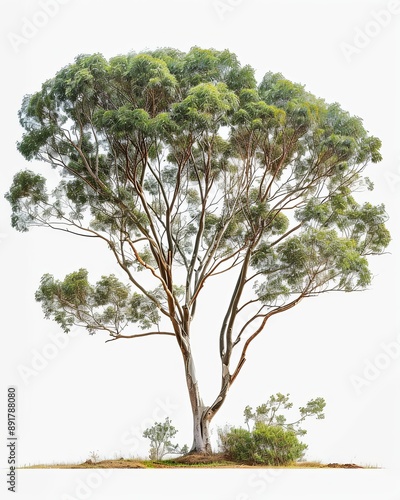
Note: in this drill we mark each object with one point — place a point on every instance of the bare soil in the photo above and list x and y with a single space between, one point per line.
188 461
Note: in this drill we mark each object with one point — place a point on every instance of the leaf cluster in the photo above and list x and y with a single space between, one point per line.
269 413
108 305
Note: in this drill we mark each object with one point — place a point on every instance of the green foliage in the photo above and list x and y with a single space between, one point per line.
28 189
271 441
205 107
108 305
182 161
267 413
276 446
160 435
237 443
266 445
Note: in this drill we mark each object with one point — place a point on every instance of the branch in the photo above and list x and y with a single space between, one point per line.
137 335
260 329
169 293
243 329
228 322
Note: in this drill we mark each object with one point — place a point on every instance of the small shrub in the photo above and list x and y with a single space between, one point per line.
275 445
160 436
266 444
238 444
93 457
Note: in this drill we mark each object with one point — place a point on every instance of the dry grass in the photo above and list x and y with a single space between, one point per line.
187 461
102 464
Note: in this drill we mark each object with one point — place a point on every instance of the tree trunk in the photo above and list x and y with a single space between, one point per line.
202 414
201 432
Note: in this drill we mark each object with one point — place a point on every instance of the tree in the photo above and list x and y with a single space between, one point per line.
189 171
267 413
160 436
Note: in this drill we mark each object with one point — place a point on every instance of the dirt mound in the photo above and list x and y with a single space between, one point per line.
111 464
195 458
344 466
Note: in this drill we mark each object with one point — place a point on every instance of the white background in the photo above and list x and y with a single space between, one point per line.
77 394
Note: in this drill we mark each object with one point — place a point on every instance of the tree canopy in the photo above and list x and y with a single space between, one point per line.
188 169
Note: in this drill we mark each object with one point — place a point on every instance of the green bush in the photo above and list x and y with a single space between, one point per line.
266 444
275 445
238 444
